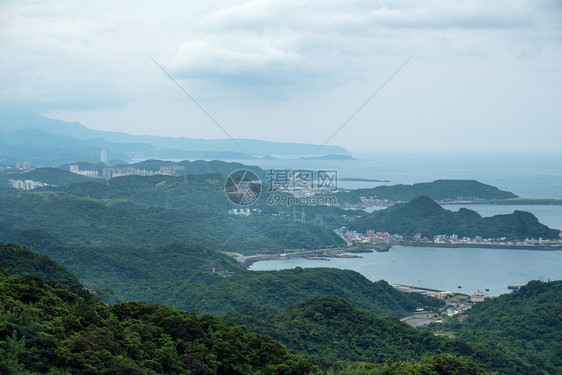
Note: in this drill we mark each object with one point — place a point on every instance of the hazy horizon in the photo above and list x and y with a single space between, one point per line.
482 76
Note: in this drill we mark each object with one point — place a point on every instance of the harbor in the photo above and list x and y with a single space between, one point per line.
492 270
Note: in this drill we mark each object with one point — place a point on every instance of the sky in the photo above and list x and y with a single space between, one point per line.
474 75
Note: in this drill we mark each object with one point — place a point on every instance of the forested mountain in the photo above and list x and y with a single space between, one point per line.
20 261
331 327
46 328
329 330
528 321
439 190
276 290
423 215
181 275
116 222
440 364
202 193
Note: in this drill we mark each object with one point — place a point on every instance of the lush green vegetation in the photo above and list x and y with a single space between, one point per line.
181 275
527 321
440 364
114 222
144 274
331 327
423 215
332 332
44 328
438 190
276 290
21 261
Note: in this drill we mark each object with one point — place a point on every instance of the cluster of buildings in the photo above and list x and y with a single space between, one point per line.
23 166
20 165
110 172
76 170
27 184
370 236
244 211
454 239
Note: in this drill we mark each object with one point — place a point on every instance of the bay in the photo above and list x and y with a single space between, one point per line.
528 175
443 268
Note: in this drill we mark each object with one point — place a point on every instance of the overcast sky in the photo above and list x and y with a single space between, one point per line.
485 75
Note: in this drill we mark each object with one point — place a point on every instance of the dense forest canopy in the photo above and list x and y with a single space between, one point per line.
45 328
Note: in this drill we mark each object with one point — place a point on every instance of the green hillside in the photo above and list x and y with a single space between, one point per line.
440 364
47 329
330 330
20 261
181 275
276 290
423 215
527 321
113 222
329 326
439 190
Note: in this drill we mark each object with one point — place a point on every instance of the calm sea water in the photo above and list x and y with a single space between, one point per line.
445 269
536 175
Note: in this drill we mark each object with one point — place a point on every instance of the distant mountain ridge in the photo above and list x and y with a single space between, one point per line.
44 135
439 190
425 216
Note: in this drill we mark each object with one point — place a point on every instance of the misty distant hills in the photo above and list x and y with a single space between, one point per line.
425 216
49 142
439 190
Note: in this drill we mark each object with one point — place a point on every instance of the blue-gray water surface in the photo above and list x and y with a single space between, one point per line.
472 269
537 175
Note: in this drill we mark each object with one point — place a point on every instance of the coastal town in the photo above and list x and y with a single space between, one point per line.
446 240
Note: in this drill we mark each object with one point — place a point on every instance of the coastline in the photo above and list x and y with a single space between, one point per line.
248 260
483 246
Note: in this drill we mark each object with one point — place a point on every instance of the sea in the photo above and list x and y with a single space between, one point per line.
528 175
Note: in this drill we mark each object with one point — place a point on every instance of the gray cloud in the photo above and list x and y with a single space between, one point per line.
287 69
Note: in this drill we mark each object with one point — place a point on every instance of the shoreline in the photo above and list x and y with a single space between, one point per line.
247 260
484 246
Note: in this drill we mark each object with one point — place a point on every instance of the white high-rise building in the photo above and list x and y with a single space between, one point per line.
103 155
